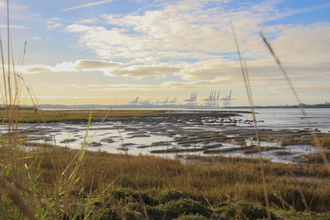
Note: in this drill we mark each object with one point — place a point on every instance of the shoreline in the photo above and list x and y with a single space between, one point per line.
166 107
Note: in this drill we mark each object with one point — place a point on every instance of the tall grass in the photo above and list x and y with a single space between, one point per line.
293 90
249 94
22 199
245 74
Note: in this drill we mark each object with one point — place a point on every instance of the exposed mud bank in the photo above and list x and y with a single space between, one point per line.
176 132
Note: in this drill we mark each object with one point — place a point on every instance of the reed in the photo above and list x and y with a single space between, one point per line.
250 98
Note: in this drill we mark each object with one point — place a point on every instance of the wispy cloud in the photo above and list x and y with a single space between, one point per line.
15 26
53 23
87 5
298 11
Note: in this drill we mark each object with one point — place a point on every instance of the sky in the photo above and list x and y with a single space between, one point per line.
112 51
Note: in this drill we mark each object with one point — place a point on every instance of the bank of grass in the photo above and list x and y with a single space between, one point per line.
31 116
315 158
100 174
325 141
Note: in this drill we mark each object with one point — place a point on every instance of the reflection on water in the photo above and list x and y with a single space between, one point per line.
142 137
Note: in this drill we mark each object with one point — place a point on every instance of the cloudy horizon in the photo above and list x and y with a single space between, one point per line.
109 52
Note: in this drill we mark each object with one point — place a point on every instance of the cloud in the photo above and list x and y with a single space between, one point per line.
53 26
217 72
12 6
37 38
193 40
132 87
53 23
143 71
90 20
304 87
193 31
261 71
79 65
291 12
171 86
94 64
37 69
15 27
87 5
301 41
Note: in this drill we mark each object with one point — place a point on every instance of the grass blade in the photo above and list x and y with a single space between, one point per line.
248 90
316 140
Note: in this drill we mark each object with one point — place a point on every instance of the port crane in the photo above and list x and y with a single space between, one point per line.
135 101
213 99
192 100
227 100
165 102
173 102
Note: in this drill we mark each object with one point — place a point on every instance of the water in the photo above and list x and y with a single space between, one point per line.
125 133
277 119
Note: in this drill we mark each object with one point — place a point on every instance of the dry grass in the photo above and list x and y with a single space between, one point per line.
30 116
325 141
241 180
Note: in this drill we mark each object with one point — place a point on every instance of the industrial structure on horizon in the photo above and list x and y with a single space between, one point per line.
192 100
212 101
227 100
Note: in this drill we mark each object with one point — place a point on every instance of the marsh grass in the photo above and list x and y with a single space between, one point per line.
30 116
324 141
156 176
68 140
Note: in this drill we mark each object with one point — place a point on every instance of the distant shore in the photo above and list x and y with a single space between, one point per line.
193 107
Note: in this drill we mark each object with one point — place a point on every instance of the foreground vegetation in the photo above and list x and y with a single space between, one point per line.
110 186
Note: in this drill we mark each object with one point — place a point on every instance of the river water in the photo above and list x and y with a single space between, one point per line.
278 118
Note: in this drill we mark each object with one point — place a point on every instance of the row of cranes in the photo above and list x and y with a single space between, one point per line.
192 100
166 102
212 101
147 102
141 102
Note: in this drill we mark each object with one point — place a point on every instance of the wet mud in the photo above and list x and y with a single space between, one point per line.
176 132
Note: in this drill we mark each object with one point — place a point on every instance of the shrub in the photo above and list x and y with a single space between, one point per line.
191 217
127 196
174 209
170 195
250 211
